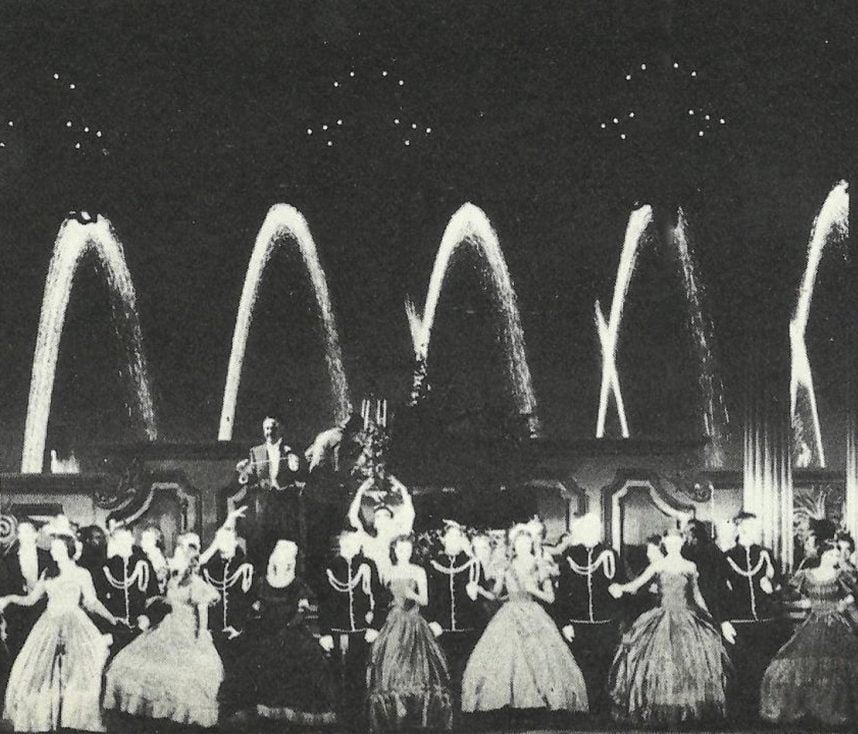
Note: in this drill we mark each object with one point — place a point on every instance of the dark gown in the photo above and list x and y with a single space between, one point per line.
671 665
408 680
815 675
281 672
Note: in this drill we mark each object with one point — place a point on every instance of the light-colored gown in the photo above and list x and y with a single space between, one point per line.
56 679
521 661
172 671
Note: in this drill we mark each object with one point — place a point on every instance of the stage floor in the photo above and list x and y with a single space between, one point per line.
536 724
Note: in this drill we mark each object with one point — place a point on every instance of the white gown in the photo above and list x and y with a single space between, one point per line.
56 679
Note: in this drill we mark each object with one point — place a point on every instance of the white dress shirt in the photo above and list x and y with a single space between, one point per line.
273 450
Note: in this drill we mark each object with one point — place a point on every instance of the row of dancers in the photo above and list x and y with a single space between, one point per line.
484 624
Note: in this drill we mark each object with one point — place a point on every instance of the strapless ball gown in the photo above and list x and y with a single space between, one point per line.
521 661
55 681
671 666
408 680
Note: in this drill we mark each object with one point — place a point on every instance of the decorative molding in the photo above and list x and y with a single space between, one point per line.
626 479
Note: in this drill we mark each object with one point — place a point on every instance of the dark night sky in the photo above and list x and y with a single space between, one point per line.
204 109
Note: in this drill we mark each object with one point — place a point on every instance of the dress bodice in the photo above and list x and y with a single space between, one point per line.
279 606
515 580
64 593
399 588
677 589
184 597
823 596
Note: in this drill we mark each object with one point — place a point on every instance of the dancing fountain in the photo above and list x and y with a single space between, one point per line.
283 224
74 240
831 224
712 409
609 331
469 226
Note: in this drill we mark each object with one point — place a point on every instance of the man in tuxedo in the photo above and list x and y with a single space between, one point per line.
23 565
275 479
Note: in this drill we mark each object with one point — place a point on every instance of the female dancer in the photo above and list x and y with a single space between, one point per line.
282 672
670 666
521 661
56 679
408 677
815 675
172 671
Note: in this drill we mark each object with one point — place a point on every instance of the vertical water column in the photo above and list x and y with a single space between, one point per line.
767 470
851 513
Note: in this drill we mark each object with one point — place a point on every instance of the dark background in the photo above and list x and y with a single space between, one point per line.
204 110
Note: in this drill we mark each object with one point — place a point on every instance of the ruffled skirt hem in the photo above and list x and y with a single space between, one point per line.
426 707
164 707
294 716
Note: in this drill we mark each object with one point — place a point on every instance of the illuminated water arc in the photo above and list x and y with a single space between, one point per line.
74 240
283 223
470 226
713 410
831 222
608 331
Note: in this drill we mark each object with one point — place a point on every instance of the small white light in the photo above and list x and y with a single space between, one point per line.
428 130
86 129
413 125
2 144
351 74
395 120
693 73
56 76
675 65
721 120
330 143
643 67
616 121
309 131
622 136
11 124
700 133
68 123
690 112
77 145
384 73
324 127
336 84
631 114
408 142
98 134
71 86
628 77
604 126
401 83
339 122
706 117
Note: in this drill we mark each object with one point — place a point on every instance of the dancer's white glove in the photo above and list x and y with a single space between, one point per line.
569 632
436 628
729 632
327 642
370 635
